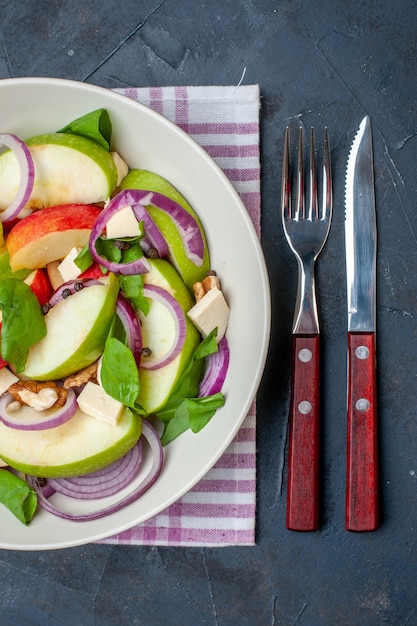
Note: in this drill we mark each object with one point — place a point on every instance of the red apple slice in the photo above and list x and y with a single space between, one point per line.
94 271
50 234
40 284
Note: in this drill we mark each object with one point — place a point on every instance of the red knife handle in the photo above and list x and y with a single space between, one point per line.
362 451
304 435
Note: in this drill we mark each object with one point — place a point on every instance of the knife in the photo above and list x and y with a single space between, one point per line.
360 240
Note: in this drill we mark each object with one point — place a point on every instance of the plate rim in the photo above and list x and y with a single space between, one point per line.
266 291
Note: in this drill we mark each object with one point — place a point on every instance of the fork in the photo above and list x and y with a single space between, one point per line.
306 230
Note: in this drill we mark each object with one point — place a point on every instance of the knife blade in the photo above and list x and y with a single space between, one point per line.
361 243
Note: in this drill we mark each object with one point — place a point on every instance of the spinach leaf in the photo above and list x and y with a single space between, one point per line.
119 250
23 323
178 424
84 260
6 270
17 496
106 248
132 287
119 373
133 250
184 409
187 384
193 413
201 410
118 330
95 125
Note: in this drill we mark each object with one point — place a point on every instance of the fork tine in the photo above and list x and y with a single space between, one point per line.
314 210
313 202
327 202
286 182
300 207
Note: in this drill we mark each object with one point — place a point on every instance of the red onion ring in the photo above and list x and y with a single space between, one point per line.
55 418
138 266
103 483
43 493
216 370
71 287
154 238
185 223
164 297
137 200
27 175
131 325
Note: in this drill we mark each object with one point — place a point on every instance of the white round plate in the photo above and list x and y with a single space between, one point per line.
30 106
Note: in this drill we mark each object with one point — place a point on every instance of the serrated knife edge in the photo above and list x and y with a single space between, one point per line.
360 232
362 508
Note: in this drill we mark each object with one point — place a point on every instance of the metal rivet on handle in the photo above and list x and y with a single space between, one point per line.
305 355
305 407
362 352
362 404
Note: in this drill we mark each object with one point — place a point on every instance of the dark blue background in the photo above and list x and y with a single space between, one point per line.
321 63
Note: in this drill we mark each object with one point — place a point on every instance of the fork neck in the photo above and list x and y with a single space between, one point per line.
306 317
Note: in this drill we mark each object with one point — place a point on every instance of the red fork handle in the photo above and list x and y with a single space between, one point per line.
304 436
362 450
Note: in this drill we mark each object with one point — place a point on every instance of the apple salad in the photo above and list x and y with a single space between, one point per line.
112 322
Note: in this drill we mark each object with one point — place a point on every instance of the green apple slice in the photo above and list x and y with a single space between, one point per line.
81 445
77 328
149 181
68 168
157 334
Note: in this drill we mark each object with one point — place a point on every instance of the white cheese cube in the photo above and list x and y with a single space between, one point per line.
7 378
211 311
67 268
94 401
122 224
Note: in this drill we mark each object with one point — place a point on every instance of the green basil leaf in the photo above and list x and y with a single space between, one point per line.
6 270
17 496
119 373
95 125
193 413
133 251
188 382
115 253
207 346
23 323
118 330
84 260
132 287
184 409
106 248
177 425
201 410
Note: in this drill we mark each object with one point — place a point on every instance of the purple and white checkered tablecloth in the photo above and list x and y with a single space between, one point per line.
220 510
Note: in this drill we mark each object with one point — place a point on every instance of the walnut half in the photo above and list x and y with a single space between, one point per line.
39 396
200 289
86 375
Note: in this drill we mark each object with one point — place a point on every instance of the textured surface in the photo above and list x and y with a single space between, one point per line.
317 63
